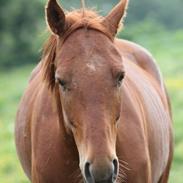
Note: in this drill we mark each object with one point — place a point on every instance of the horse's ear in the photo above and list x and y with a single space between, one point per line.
55 17
112 20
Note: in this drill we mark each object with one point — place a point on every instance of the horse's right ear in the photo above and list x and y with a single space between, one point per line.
55 17
112 20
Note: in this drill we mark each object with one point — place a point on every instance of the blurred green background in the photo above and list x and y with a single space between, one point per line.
156 25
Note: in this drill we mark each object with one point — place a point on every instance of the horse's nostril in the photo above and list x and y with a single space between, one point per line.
87 173
115 164
87 169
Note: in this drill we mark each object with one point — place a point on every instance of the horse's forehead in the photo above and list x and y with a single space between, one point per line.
85 42
95 63
86 60
92 69
87 52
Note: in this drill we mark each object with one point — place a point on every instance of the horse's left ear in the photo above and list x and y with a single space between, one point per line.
112 20
55 17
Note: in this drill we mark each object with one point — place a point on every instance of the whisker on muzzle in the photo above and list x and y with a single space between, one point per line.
123 169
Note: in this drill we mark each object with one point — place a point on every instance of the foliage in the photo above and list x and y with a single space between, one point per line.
23 25
20 24
168 13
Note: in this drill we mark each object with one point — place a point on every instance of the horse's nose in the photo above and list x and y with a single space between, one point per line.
102 173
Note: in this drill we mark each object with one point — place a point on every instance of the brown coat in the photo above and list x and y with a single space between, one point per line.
94 117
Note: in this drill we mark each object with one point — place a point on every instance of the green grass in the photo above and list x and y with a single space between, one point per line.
12 85
166 49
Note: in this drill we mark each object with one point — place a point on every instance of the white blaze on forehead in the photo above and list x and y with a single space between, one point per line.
91 66
95 62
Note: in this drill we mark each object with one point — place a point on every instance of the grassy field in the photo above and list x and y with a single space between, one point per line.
13 82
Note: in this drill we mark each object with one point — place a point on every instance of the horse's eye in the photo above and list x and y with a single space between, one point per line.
62 83
120 77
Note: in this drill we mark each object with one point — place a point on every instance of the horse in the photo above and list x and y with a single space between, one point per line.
96 108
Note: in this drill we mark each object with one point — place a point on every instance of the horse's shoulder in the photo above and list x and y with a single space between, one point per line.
141 57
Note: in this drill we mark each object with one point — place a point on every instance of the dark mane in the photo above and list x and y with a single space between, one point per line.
75 19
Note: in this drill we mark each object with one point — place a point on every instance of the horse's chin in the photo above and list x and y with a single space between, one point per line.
104 181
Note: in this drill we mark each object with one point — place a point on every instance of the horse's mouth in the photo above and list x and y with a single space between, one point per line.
103 181
106 182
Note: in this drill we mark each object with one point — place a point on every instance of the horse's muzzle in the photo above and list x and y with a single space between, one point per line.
101 174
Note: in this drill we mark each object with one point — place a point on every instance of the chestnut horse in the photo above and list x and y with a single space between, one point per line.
96 109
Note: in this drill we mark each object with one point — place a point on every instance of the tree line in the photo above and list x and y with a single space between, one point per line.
22 24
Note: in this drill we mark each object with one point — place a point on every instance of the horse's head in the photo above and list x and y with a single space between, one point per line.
89 70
